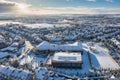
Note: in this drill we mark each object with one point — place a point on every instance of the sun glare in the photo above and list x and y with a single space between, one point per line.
22 6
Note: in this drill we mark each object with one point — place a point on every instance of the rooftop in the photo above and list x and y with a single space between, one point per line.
67 56
77 46
18 73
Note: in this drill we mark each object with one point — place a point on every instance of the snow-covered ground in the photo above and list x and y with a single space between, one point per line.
8 22
101 58
36 25
46 25
87 30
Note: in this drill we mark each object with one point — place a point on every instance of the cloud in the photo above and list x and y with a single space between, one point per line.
111 1
76 10
9 6
107 10
63 10
23 8
91 0
69 0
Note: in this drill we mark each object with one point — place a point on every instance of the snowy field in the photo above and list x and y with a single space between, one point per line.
46 25
36 25
101 58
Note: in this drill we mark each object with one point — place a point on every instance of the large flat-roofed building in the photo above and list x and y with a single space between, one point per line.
46 46
67 60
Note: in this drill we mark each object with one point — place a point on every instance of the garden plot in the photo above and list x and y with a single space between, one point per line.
101 59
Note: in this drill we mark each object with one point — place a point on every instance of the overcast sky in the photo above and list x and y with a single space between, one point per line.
60 6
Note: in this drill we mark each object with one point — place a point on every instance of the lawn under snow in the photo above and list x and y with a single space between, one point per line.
101 58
